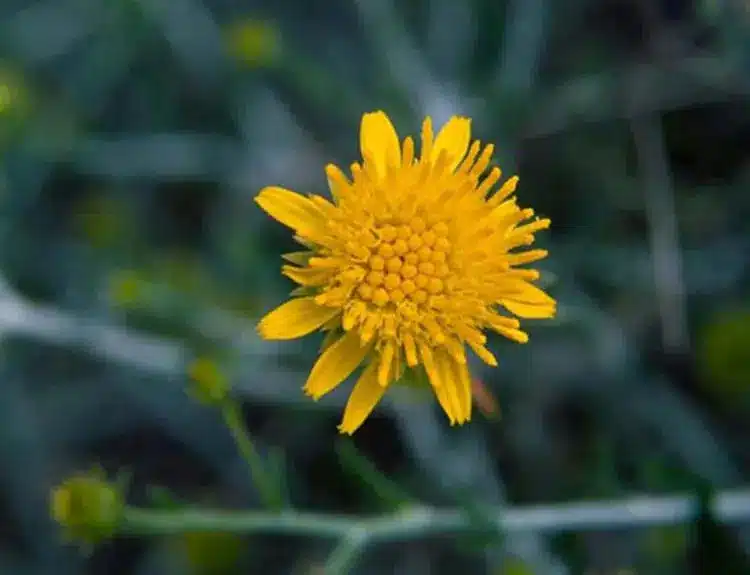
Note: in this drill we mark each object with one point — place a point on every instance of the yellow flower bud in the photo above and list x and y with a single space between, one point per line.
209 385
87 507
254 43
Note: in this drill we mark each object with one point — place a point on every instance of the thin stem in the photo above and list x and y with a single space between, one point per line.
730 507
149 522
267 488
666 255
346 553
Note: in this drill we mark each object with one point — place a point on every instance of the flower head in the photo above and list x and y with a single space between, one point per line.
410 263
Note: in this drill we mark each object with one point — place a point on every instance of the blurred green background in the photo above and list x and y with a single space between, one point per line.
134 135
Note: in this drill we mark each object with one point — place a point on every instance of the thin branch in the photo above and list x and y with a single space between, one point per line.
159 356
729 507
267 485
666 256
50 325
346 553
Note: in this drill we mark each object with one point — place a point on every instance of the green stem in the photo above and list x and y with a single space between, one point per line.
352 534
268 489
415 523
150 522
389 493
346 553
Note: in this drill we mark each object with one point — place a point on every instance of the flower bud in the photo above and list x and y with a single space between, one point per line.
87 507
209 385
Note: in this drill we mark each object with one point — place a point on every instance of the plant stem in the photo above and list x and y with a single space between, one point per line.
729 507
268 489
346 553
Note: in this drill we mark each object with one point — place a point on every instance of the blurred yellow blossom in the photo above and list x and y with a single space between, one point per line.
254 43
412 261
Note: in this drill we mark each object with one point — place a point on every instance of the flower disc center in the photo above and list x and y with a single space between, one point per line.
410 263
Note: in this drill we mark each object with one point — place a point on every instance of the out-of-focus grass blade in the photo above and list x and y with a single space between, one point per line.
390 494
484 530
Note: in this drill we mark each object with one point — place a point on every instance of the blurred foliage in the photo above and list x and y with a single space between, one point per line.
133 137
209 383
387 495
515 567
712 545
724 358
213 553
253 43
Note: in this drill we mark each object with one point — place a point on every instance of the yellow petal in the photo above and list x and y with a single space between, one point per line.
307 276
365 396
410 350
427 137
529 302
446 403
335 365
385 370
530 311
463 388
453 139
407 151
525 292
451 390
513 334
295 318
520 258
379 142
294 211
483 353
337 182
430 366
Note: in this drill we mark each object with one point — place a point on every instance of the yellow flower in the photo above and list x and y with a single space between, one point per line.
407 266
